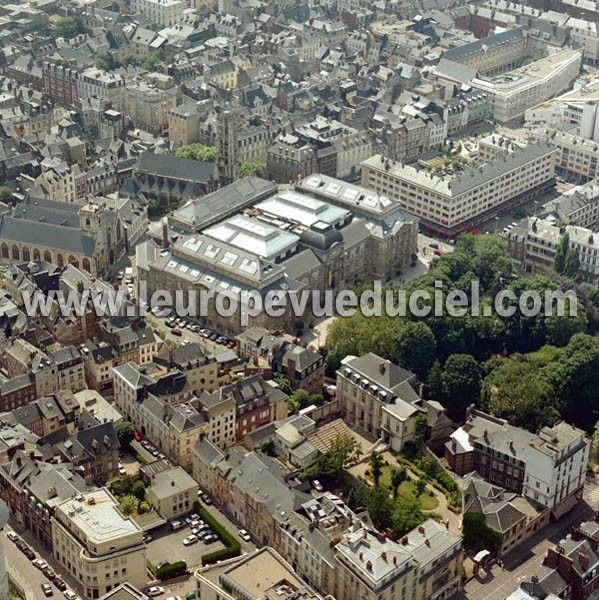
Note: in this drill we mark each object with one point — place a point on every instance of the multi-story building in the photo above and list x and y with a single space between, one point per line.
512 93
534 242
577 156
252 237
172 492
97 545
250 402
378 396
184 124
425 563
548 467
449 203
102 84
60 82
148 103
263 573
162 12
579 207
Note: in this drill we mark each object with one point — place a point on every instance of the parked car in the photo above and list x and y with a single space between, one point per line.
434 245
122 470
60 584
174 598
210 539
49 573
207 499
70 595
162 563
170 324
437 252
155 590
40 564
47 589
244 535
317 485
12 536
137 436
147 538
176 525
190 595
28 552
177 332
189 540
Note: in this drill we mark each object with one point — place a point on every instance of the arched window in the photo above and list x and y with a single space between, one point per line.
36 254
86 265
15 252
26 255
59 260
73 260
4 250
47 257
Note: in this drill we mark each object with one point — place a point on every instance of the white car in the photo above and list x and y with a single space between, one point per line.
174 598
12 536
122 470
69 595
155 590
317 485
39 563
244 535
189 540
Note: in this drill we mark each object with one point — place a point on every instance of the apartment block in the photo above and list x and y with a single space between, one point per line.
172 492
450 203
534 242
97 545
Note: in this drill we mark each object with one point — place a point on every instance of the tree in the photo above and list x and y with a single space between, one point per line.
343 451
420 486
106 61
434 381
284 384
144 507
138 489
416 347
69 27
251 168
197 152
379 507
376 465
595 443
121 486
572 263
299 399
128 505
6 195
461 384
406 515
398 476
559 260
125 432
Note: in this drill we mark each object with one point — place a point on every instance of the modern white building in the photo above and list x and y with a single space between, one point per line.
451 203
514 92
163 12
97 545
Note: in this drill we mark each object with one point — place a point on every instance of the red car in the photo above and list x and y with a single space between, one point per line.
137 436
438 253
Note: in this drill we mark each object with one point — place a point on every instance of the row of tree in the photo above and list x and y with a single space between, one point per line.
531 369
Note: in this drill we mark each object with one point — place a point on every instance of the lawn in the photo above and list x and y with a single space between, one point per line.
407 488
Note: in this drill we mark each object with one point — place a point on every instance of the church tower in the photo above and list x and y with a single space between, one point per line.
227 159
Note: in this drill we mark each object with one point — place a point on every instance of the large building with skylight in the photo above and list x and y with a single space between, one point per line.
252 235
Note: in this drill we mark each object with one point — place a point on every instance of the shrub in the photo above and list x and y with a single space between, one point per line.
223 554
172 570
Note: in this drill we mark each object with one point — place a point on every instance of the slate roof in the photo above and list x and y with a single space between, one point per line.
172 167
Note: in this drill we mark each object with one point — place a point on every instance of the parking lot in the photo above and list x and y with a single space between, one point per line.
168 545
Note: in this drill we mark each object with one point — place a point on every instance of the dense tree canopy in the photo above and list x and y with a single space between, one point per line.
251 168
69 27
197 152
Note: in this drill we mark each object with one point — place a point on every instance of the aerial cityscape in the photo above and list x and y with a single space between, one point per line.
299 300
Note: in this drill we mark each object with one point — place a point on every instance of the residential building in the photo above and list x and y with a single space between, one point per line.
579 207
97 545
172 493
449 203
534 242
303 368
162 12
379 397
548 467
148 102
60 82
255 403
102 84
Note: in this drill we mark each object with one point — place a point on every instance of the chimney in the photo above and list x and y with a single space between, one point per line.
381 537
427 542
404 540
172 483
384 555
420 529
361 556
382 368
534 579
583 559
395 561
165 242
369 566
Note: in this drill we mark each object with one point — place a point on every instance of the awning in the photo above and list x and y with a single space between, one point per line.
480 556
568 504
